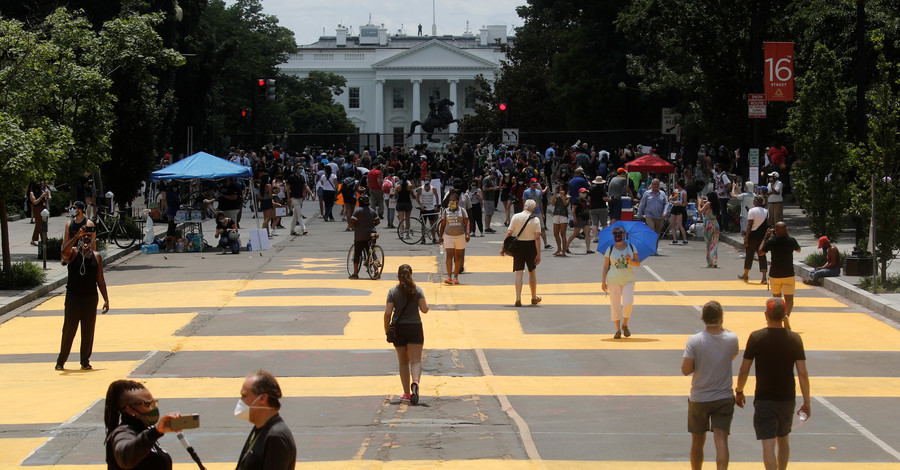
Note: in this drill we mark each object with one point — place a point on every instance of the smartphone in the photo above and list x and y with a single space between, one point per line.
186 422
90 229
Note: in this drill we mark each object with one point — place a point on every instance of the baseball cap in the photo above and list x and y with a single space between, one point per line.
822 241
81 205
534 181
773 174
621 170
583 190
775 308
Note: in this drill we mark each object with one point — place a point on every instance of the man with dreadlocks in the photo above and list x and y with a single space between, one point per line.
133 426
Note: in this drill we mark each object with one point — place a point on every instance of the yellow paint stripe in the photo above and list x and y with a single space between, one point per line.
508 385
29 335
14 450
498 464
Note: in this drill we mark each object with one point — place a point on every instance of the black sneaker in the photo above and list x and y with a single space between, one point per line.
354 276
414 395
86 367
58 367
490 230
626 331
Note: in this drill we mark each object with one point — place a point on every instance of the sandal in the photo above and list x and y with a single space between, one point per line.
536 300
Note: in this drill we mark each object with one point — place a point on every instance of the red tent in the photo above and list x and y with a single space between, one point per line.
650 164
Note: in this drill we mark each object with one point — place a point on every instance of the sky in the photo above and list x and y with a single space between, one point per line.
306 18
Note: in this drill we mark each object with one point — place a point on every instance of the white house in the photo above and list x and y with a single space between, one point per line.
392 78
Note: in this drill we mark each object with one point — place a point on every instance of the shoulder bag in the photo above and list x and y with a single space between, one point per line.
509 243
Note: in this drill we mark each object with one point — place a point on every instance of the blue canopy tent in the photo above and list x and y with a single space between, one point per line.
202 165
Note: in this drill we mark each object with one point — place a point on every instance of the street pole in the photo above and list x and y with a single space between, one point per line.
872 237
757 37
861 121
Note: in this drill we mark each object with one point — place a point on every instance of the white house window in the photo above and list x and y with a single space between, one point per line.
354 97
398 135
398 98
470 100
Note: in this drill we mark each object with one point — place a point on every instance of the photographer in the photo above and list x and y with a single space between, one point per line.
227 234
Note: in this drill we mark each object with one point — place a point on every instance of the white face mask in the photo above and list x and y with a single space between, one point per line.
242 410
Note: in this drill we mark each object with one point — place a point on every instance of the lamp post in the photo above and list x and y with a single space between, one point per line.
45 217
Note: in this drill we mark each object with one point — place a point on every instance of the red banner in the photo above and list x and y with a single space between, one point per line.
778 71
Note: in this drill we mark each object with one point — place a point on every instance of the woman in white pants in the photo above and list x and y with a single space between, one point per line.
618 268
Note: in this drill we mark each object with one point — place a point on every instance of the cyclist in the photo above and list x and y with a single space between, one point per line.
363 222
427 197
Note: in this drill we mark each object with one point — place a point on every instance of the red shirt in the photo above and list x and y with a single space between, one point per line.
424 167
374 178
778 155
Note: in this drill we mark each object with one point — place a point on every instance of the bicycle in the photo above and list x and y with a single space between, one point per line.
419 227
122 232
372 259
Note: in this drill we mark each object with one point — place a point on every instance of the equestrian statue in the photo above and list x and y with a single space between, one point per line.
439 118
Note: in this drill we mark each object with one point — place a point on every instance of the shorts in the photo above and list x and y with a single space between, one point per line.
773 418
489 207
599 216
782 285
409 333
678 210
560 219
615 208
581 223
361 247
454 242
705 416
265 204
319 192
526 253
430 215
404 207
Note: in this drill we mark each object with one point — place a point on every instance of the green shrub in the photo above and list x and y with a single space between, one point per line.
818 259
58 203
892 286
54 249
24 275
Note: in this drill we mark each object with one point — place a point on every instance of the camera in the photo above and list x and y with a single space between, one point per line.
90 229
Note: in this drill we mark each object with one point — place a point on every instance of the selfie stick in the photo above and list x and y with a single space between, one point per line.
190 450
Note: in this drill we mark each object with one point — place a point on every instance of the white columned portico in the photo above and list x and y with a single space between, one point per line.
453 81
416 101
379 105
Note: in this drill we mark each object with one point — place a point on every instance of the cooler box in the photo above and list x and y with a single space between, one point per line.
627 211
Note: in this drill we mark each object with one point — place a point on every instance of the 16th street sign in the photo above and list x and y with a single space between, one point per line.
778 72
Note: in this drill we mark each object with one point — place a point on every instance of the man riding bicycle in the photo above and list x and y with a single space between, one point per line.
363 222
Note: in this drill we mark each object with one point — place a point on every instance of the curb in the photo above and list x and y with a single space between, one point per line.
838 286
33 294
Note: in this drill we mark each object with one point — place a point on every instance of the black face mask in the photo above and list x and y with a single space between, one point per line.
618 237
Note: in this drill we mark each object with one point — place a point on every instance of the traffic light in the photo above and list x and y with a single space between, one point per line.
504 116
502 107
261 88
270 89
245 113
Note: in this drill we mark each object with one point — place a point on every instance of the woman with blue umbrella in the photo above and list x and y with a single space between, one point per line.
620 259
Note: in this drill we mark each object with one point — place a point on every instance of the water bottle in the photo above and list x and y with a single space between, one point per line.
442 248
249 246
802 415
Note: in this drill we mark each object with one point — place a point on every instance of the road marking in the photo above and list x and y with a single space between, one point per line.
859 427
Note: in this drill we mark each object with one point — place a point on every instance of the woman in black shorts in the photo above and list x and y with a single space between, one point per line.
404 202
679 210
404 301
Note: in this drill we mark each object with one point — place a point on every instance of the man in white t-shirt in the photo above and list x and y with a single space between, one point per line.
708 356
527 251
757 225
428 199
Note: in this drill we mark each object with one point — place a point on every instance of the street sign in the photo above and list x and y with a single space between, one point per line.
753 157
670 121
778 75
511 136
756 104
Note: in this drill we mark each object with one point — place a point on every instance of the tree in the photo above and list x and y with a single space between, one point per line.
54 100
485 121
818 126
310 102
877 163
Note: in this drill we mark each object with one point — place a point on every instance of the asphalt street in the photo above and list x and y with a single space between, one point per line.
541 386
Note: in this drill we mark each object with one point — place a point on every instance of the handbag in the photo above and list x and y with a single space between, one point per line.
509 243
392 329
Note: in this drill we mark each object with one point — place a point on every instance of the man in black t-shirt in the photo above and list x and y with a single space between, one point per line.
363 223
296 184
776 351
781 270
230 199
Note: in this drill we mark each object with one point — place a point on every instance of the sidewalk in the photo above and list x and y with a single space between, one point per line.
845 286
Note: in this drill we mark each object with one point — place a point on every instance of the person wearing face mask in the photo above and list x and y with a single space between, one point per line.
618 268
78 220
270 445
581 220
227 234
85 277
133 427
454 233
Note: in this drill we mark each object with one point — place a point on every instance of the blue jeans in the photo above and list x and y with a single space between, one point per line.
235 244
818 274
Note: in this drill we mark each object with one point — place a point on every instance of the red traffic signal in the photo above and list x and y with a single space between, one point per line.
262 82
502 107
244 113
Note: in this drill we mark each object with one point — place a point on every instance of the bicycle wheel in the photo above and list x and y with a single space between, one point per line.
350 259
124 234
375 265
414 235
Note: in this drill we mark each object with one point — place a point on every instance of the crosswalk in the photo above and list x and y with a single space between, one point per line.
504 387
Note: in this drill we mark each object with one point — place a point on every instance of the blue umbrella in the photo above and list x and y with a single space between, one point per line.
642 237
